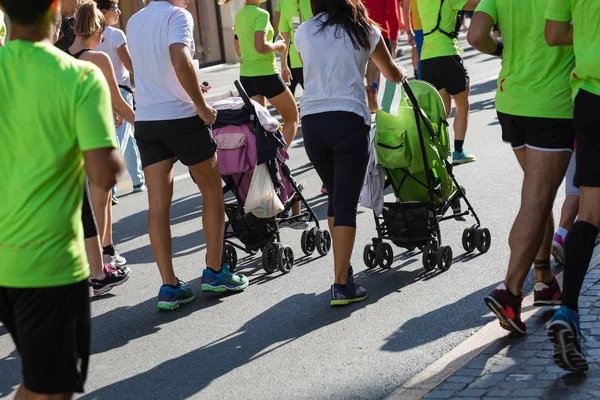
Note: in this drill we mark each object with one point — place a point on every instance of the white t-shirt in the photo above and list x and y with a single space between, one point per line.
150 32
334 70
113 39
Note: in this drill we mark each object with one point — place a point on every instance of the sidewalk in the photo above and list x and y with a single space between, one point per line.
521 368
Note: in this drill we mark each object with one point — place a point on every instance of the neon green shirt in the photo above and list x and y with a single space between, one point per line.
585 16
2 27
248 20
59 108
437 44
290 20
534 81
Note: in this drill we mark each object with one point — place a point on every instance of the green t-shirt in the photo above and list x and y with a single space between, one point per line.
290 20
437 44
534 81
585 15
248 20
2 27
58 108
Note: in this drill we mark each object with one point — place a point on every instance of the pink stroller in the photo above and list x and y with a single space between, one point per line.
242 144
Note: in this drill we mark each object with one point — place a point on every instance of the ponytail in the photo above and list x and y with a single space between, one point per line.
89 20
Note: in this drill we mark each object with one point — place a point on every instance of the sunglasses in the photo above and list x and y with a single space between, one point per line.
115 7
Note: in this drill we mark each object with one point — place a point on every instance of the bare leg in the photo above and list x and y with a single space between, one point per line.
108 235
24 394
447 99
159 180
461 119
543 275
206 175
415 60
569 211
94 255
285 104
100 200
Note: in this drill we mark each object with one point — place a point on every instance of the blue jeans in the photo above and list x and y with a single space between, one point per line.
131 152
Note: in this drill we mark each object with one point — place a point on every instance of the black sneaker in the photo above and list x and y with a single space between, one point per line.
351 293
113 277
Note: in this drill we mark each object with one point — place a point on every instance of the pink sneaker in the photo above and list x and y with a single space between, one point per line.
558 249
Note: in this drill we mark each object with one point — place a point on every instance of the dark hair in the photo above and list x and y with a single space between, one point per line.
30 12
89 20
105 4
349 15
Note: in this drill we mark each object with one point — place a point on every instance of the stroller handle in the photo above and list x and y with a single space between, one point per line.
410 94
243 93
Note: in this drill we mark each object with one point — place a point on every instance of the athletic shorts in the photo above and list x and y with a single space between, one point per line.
186 139
587 134
268 86
446 72
51 330
570 188
546 134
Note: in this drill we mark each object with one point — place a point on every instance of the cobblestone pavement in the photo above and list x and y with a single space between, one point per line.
523 368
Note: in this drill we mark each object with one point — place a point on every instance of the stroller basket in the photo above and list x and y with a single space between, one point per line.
254 232
407 223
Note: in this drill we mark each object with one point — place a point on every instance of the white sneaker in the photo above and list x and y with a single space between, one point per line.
114 261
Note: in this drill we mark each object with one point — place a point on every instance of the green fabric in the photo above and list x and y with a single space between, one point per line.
534 80
437 44
289 10
585 16
2 27
58 108
248 20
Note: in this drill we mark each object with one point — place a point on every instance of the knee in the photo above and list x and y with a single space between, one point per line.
290 114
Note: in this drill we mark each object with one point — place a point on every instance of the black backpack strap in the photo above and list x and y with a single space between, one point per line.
451 35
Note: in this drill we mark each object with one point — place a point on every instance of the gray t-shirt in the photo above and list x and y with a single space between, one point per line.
334 70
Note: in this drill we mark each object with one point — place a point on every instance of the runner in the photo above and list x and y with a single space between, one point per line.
414 31
293 13
568 213
575 22
115 45
172 122
535 111
442 66
44 293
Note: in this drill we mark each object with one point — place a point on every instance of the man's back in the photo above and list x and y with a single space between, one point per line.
150 32
49 116
437 44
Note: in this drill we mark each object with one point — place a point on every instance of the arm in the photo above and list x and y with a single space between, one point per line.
402 17
408 21
263 47
559 33
125 57
479 33
236 46
471 5
388 67
103 166
119 104
276 19
286 74
181 58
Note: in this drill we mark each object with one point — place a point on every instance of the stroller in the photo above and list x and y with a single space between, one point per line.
242 144
412 150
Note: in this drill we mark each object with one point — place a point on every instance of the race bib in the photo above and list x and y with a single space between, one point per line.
296 22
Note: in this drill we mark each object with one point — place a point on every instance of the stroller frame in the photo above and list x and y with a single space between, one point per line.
380 253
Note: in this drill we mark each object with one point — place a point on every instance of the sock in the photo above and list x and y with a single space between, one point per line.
101 277
458 145
110 250
562 232
579 247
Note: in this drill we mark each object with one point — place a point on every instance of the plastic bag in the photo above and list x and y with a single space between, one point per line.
262 200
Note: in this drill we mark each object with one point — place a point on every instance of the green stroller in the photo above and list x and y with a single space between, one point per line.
413 148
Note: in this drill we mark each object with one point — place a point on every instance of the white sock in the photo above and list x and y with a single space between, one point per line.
562 232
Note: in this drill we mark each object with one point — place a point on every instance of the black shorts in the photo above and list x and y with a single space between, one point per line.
388 44
51 330
268 86
446 72
546 134
186 139
587 121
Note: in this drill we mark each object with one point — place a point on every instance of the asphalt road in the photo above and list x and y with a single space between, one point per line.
280 339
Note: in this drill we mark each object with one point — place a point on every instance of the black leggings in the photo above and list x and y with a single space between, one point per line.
337 144
297 79
87 215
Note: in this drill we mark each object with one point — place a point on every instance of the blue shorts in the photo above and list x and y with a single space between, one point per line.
419 42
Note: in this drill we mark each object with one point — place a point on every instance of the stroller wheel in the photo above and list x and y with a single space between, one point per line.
230 257
323 241
444 258
384 255
285 259
429 259
369 256
308 241
269 258
483 239
468 239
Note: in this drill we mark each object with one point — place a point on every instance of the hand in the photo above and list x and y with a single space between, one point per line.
118 120
207 113
402 28
205 89
411 38
280 46
286 74
404 73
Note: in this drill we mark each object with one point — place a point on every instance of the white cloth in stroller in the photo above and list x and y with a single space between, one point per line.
371 195
269 123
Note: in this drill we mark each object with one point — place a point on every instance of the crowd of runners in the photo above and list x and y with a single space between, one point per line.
75 120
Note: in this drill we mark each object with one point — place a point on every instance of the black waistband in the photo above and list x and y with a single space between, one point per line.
126 88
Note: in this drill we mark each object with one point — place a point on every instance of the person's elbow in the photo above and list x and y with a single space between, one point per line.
180 58
103 167
261 48
475 38
552 36
394 74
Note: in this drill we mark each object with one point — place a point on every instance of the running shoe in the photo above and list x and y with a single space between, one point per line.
115 200
507 308
344 295
139 188
547 295
558 249
462 158
224 281
171 298
112 278
323 190
298 223
115 261
565 335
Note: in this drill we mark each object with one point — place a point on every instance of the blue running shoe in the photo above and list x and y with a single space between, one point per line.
462 158
564 333
171 298
224 281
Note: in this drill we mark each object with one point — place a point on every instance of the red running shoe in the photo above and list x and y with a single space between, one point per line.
547 295
507 308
